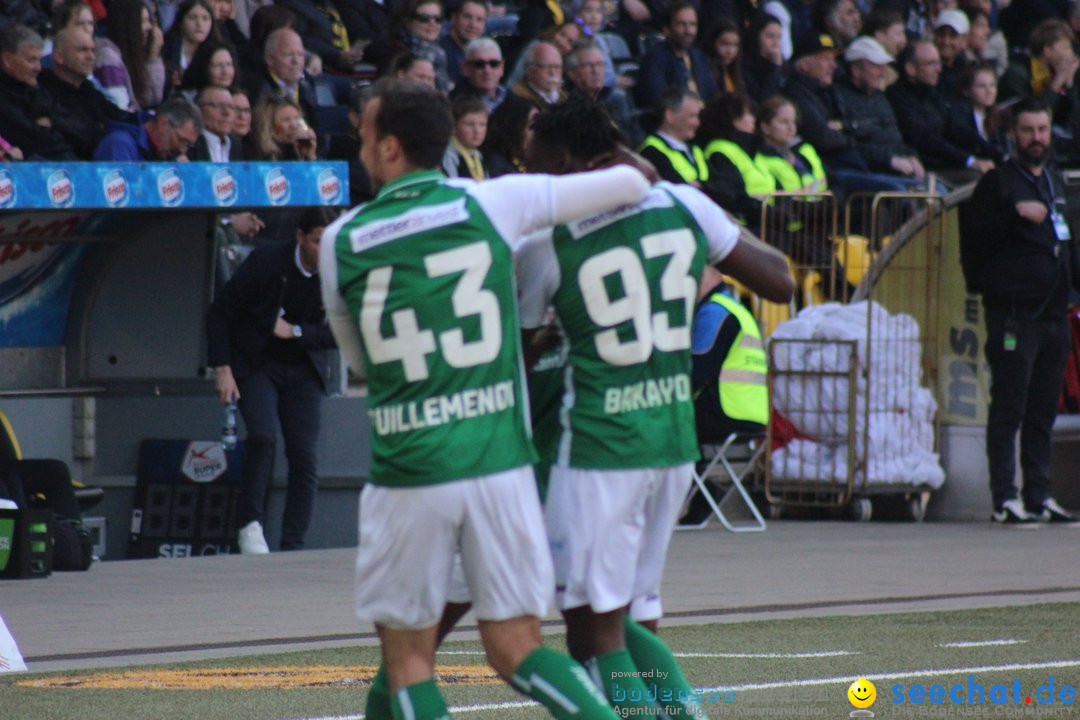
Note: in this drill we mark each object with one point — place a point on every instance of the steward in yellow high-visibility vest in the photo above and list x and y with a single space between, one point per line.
729 368
660 152
756 178
807 172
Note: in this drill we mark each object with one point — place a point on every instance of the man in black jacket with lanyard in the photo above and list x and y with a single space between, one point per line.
1016 251
269 344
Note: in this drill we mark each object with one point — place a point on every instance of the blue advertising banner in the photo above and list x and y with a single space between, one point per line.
63 186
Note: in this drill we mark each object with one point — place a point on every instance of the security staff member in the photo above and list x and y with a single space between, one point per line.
729 365
1016 251
729 376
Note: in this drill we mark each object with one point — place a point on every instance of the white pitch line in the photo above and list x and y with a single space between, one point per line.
771 656
457 709
795 683
981 643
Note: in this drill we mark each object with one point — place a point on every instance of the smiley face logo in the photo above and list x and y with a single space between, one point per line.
862 693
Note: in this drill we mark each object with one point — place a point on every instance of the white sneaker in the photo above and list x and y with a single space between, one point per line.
251 539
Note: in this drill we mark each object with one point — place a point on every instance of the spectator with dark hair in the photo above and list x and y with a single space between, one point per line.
839 18
887 27
993 49
1049 70
482 72
281 132
369 20
737 181
216 143
128 62
269 345
507 135
410 66
675 60
225 20
977 48
976 112
215 63
723 45
951 29
191 27
417 28
915 14
869 121
466 24
283 75
25 109
764 71
463 157
542 83
80 112
585 68
165 136
241 125
324 33
69 13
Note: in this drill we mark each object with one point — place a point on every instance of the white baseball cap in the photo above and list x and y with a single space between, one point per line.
867 48
955 19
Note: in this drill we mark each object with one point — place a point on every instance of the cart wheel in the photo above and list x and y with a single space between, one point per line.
775 511
860 509
915 507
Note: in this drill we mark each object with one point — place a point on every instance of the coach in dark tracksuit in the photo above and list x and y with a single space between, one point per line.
270 347
1016 252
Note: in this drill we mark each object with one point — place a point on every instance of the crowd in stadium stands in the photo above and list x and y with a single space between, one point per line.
871 94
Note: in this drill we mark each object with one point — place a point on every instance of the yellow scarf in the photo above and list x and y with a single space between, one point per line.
556 11
474 161
1041 75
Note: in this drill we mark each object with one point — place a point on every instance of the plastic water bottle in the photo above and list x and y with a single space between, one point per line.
228 427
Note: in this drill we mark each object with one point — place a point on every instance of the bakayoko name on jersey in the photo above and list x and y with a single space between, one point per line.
647 394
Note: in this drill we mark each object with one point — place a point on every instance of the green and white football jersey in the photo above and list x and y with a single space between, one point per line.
420 283
624 284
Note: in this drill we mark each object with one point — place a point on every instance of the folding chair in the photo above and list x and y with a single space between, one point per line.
728 464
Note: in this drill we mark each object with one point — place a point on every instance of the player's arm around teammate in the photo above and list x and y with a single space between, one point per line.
420 283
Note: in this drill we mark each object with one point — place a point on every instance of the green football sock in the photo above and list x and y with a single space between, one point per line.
378 698
621 682
419 701
562 686
652 656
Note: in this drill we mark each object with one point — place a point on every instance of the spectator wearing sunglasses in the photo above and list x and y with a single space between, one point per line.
482 71
417 29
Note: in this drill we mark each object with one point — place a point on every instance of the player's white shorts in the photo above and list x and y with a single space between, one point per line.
609 532
408 538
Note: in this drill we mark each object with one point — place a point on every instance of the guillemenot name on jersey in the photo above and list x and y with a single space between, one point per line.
647 394
655 199
440 409
421 219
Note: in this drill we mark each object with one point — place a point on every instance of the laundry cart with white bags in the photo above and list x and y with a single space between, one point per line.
854 426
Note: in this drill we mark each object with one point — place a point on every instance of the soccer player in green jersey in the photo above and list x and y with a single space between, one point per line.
419 286
623 284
